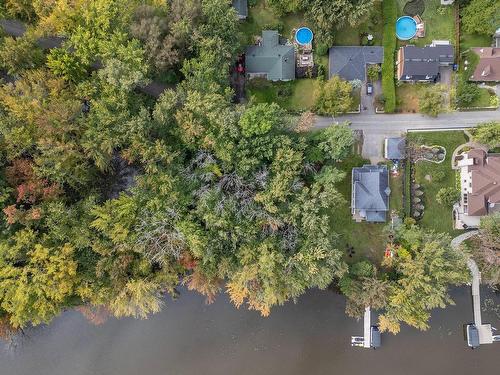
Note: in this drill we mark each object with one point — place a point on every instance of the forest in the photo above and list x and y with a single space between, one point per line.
112 198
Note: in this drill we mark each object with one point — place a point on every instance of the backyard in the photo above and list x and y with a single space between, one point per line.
432 177
373 24
262 17
439 21
367 239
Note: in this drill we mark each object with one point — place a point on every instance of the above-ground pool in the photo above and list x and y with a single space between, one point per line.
304 36
406 28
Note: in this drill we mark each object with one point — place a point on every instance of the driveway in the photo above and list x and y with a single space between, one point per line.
367 101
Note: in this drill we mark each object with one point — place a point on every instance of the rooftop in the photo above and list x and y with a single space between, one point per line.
271 57
350 62
488 67
370 192
485 179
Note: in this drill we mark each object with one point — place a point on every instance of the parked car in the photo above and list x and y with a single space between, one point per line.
369 88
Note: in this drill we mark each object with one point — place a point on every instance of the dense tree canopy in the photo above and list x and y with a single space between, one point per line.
424 265
481 16
111 198
488 133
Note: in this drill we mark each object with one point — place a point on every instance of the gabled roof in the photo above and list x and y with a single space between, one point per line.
488 67
485 180
395 148
349 63
422 63
271 57
370 192
241 7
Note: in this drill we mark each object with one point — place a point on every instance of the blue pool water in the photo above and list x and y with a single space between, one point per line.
304 35
406 28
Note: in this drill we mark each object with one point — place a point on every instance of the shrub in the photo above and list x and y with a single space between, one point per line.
467 93
431 101
373 72
389 42
414 7
321 49
447 196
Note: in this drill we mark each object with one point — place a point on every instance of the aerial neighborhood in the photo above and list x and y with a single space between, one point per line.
263 149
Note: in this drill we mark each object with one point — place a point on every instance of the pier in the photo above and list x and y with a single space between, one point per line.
371 334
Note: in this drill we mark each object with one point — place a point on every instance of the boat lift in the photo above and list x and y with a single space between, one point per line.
371 334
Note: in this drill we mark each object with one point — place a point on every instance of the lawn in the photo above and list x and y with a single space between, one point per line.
367 239
407 97
356 95
473 40
439 22
352 36
396 197
436 216
261 17
295 96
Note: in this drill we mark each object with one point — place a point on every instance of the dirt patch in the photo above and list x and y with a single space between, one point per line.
428 177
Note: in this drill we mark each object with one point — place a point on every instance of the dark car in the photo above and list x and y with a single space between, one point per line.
369 88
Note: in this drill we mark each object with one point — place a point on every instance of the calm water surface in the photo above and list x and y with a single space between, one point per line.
308 338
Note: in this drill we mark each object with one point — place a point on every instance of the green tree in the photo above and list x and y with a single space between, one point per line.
373 72
488 133
260 119
65 64
431 101
467 93
333 143
17 55
35 280
425 265
481 17
486 249
334 97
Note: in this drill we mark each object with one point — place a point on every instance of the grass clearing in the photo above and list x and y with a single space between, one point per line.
294 96
260 17
436 216
373 24
396 197
368 239
407 97
439 22
474 40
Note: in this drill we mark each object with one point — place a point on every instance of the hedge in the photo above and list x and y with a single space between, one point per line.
389 41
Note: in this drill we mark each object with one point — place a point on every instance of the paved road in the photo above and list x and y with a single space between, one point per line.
378 127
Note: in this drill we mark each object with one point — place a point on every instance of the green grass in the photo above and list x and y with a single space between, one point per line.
372 24
439 22
261 16
396 197
294 96
407 97
367 239
474 40
436 216
356 95
484 98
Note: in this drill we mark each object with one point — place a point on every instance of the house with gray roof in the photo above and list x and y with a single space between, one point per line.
349 63
395 148
422 64
241 7
370 193
272 58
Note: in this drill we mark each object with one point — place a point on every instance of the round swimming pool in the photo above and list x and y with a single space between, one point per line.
406 28
304 35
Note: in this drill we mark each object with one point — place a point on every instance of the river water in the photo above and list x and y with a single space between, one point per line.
311 337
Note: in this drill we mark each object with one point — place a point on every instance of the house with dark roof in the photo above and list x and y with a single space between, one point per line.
349 63
395 148
272 58
370 193
423 64
241 7
488 67
480 187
